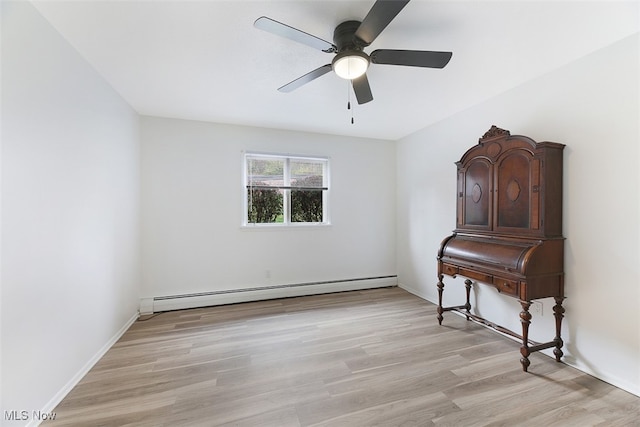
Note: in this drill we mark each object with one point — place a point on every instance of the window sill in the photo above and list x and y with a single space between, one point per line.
282 227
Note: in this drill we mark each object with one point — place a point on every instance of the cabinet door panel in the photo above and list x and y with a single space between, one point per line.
477 194
513 198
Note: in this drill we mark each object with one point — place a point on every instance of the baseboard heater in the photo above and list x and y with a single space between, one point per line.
231 296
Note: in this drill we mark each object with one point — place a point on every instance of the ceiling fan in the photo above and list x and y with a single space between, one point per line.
349 40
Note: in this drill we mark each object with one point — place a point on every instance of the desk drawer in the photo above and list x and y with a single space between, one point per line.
505 286
449 270
472 274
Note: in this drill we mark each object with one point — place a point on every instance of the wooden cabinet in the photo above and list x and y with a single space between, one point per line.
511 185
509 228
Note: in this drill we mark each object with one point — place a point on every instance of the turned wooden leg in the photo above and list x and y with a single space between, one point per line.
467 306
525 319
440 289
558 311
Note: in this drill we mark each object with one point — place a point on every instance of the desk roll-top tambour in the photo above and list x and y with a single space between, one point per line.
509 229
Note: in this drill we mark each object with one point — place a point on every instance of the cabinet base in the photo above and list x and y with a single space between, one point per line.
528 346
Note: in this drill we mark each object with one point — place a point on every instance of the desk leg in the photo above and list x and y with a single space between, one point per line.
467 285
558 311
440 289
525 319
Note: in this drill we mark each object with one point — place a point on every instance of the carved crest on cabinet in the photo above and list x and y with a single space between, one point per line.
494 132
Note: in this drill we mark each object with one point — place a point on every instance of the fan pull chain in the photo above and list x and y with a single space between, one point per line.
349 99
351 112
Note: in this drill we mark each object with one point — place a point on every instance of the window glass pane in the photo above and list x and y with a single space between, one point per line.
265 171
306 191
306 205
306 173
265 205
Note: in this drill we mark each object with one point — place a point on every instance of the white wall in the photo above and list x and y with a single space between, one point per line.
70 159
590 105
70 220
192 209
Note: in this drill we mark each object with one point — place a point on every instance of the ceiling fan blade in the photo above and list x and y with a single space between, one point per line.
362 89
312 75
283 30
380 15
412 58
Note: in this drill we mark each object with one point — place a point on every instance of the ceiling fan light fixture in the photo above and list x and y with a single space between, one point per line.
350 65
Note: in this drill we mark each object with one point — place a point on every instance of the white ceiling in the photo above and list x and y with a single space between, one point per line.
204 60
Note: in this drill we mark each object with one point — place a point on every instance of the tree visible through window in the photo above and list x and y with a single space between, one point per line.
285 189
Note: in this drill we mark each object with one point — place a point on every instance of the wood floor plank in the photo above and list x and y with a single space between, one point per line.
362 358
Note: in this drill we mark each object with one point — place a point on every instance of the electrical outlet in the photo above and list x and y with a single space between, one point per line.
267 274
536 308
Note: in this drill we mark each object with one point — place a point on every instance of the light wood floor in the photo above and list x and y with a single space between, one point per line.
375 357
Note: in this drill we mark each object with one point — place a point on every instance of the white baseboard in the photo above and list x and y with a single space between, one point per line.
415 292
205 299
51 405
621 383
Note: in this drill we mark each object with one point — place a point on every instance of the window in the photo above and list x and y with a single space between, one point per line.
286 190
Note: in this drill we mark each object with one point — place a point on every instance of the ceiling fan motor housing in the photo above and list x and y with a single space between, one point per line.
344 36
350 62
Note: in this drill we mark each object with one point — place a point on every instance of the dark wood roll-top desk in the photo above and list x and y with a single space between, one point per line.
509 229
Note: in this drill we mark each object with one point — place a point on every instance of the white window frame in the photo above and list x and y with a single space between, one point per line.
287 192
